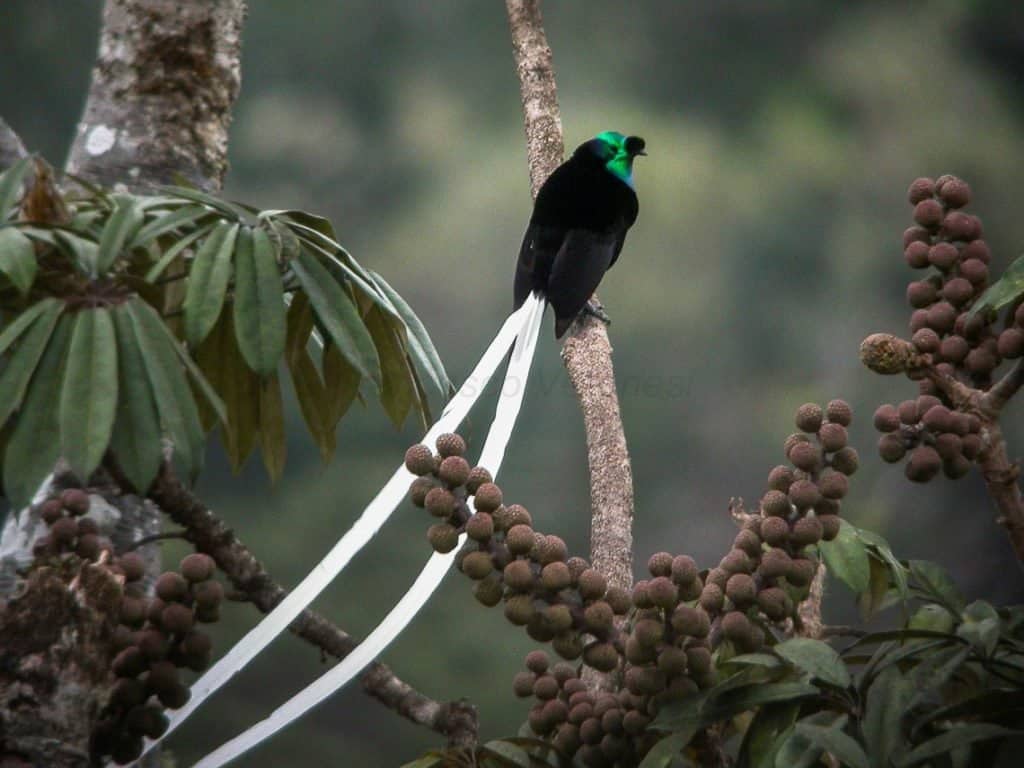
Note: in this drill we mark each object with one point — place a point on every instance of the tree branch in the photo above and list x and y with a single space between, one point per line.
11 148
587 352
999 395
456 720
166 76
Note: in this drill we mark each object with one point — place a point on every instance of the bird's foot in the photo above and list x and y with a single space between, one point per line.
594 309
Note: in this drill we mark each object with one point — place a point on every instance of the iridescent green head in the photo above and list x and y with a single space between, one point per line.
617 151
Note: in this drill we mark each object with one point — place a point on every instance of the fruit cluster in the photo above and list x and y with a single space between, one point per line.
155 635
950 241
936 437
677 617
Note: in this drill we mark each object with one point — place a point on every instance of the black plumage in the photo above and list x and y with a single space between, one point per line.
579 222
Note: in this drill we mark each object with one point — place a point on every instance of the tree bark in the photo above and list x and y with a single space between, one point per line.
587 353
166 77
11 148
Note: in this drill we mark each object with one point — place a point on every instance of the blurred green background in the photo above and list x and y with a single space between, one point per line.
782 137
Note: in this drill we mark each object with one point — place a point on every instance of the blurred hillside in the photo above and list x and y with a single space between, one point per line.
782 137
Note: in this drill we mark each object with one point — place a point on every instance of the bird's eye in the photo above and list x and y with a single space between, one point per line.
635 145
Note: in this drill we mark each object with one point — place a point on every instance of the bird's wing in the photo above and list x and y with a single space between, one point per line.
540 245
578 267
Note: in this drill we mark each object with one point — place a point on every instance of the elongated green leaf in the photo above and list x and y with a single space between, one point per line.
887 700
88 399
34 444
816 658
755 695
176 407
933 580
273 442
397 393
208 282
871 600
338 314
344 273
241 393
10 184
430 760
835 742
342 383
259 302
81 250
15 377
847 559
168 222
169 255
17 258
662 753
421 347
309 389
880 547
957 736
136 438
119 229
761 740
226 208
12 332
1004 290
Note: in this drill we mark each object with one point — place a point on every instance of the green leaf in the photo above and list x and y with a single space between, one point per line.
309 389
341 381
762 738
980 627
81 250
430 760
872 599
933 580
259 302
1004 290
733 702
665 751
88 398
10 184
819 660
881 549
195 374
120 227
179 418
837 743
510 754
34 327
240 388
34 445
169 255
226 208
421 347
886 703
397 393
17 258
208 282
932 617
957 736
847 559
338 314
273 442
756 660
136 438
167 222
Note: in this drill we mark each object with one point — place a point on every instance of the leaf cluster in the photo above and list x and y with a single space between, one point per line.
138 323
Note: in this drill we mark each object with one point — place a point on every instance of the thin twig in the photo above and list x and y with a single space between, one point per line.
183 535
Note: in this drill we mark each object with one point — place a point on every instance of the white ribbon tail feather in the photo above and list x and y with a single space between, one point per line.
373 517
510 400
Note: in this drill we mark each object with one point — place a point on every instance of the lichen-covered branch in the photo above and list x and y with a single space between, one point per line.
587 352
456 720
166 77
11 148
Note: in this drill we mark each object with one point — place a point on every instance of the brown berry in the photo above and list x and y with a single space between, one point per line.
450 444
916 255
780 478
887 418
487 498
454 471
75 501
808 417
920 189
928 213
924 464
197 567
171 586
477 477
419 460
442 537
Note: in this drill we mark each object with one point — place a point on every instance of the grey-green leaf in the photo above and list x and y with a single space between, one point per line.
933 580
120 227
34 445
818 659
957 736
208 282
847 559
16 374
886 704
259 302
17 258
136 438
836 742
338 314
88 399
10 184
167 222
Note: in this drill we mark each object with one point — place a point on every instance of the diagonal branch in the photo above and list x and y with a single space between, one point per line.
587 351
457 720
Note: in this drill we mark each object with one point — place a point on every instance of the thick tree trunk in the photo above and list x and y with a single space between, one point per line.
167 74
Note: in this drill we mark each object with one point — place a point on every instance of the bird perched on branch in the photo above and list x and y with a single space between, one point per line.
579 223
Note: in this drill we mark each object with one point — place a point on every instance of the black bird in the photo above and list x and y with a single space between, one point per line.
579 223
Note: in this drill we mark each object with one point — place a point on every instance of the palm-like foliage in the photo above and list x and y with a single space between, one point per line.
137 323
